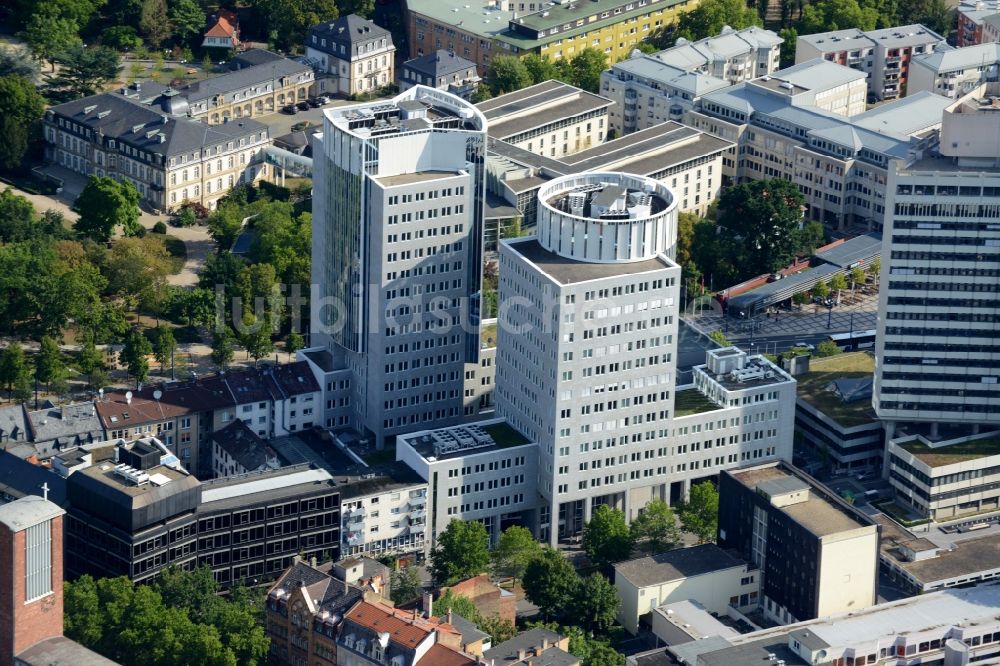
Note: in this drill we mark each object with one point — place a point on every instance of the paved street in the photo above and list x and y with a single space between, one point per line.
281 123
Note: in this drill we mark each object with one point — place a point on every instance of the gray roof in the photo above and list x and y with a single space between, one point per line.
838 40
60 650
470 632
538 105
476 18
346 30
904 35
908 115
331 595
669 75
676 565
570 271
268 485
68 425
959 59
858 249
507 651
243 444
765 294
28 511
19 478
439 63
227 84
253 58
130 120
818 74
729 44
13 424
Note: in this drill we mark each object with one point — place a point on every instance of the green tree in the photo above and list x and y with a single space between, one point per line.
719 338
360 7
875 269
137 268
934 14
606 538
481 94
515 549
685 236
759 220
17 61
21 109
791 37
294 342
857 277
595 603
458 605
808 238
90 360
48 32
549 582
50 366
283 240
222 347
540 68
164 345
827 348
289 20
710 16
135 355
700 513
187 18
838 283
800 298
499 629
83 71
122 38
14 372
462 551
507 74
256 336
602 654
821 290
656 527
837 15
17 216
404 585
586 67
105 205
154 22
224 225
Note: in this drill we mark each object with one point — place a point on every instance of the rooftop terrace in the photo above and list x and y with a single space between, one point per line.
692 401
953 453
470 439
813 387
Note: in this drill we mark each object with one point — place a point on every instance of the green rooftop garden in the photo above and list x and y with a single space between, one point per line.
504 435
488 335
812 387
691 401
954 453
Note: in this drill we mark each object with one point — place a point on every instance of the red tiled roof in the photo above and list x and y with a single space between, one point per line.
116 412
382 619
222 28
441 655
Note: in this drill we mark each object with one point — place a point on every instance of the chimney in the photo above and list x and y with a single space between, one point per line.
428 604
312 561
449 616
521 654
545 645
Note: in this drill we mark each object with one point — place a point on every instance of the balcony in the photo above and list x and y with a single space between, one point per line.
416 515
358 511
355 538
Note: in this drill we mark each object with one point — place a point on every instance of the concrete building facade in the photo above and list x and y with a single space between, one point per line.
956 72
397 229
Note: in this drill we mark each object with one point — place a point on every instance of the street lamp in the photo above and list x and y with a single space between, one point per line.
829 313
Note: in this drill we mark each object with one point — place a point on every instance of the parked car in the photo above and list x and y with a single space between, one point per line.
314 102
289 109
298 127
303 106
804 345
323 99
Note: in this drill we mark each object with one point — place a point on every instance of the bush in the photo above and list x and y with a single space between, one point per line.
185 218
159 228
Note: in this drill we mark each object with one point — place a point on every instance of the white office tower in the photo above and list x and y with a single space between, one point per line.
397 229
588 324
938 351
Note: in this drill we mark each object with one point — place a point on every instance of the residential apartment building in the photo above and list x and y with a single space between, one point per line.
885 55
839 163
224 32
354 56
383 512
687 160
261 83
649 89
534 646
483 472
374 634
550 119
816 554
236 449
306 606
442 70
971 14
603 251
52 429
936 343
705 573
134 515
397 229
170 160
484 30
953 626
957 72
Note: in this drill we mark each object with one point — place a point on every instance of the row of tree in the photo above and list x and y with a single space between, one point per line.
509 73
178 620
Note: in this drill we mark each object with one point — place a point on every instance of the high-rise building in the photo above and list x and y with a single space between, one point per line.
397 261
587 356
938 356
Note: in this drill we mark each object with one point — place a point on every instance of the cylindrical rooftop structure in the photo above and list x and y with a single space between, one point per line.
607 217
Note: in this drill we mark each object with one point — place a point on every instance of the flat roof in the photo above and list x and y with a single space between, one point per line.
415 177
571 271
676 565
61 650
277 482
447 443
813 387
104 472
969 558
474 17
688 401
818 513
538 105
952 453
853 252
838 40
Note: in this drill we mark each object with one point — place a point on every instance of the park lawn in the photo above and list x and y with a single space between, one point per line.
178 253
